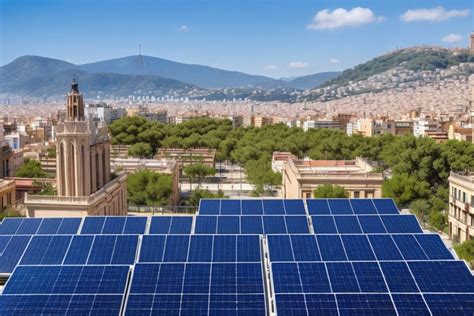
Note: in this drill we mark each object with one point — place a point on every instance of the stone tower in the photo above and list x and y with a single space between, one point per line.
82 151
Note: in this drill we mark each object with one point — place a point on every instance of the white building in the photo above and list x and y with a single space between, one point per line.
104 112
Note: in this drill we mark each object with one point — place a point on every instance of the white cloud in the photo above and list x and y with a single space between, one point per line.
183 28
298 64
434 14
326 19
452 38
334 61
270 68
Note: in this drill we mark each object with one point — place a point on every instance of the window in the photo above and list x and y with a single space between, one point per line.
356 194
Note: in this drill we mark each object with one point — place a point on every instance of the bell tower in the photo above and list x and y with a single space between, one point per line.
73 162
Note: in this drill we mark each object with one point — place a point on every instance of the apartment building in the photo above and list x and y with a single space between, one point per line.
461 206
301 177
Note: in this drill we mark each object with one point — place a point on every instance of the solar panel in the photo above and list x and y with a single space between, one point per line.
363 258
385 206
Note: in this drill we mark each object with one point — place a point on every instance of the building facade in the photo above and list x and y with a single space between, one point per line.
461 206
301 177
83 178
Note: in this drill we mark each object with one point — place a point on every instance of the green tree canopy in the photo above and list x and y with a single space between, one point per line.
149 188
198 171
31 169
142 150
260 174
330 191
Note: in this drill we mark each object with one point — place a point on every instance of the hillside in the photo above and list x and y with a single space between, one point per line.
198 75
311 81
416 59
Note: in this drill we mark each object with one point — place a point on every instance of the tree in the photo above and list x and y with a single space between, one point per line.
466 251
260 174
198 194
198 171
149 188
421 209
31 169
142 150
47 189
52 152
330 191
404 188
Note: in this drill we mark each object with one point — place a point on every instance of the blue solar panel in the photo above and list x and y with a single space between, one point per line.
224 249
152 248
331 248
450 304
297 224
252 207
113 250
170 279
280 248
60 304
113 225
79 250
347 224
442 276
273 207
68 280
291 304
274 225
230 207
385 206
398 277
294 207
249 278
92 225
342 277
205 225
209 207
314 278
369 277
49 226
433 247
365 304
318 207
44 250
224 278
29 226
135 225
286 278
69 226
340 206
305 248
181 225
228 225
248 249
200 249
363 206
372 225
409 247
321 304
404 224
251 225
324 224
196 278
357 248
10 226
176 249
384 247
160 224
13 250
410 304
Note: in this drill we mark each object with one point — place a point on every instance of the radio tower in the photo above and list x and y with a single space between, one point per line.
141 60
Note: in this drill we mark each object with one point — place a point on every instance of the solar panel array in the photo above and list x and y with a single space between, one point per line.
248 257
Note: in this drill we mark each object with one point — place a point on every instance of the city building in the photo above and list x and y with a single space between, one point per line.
7 193
17 140
471 46
104 112
188 156
301 177
461 206
280 159
308 124
83 179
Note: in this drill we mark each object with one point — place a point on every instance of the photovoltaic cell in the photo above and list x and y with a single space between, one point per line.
314 277
286 278
274 225
318 207
340 206
347 224
294 207
228 225
324 224
222 245
410 304
384 247
252 207
209 207
230 207
10 226
369 277
398 277
365 304
403 224
152 248
280 248
29 226
273 207
357 248
44 250
433 247
92 225
79 249
450 304
135 225
13 250
181 225
205 225
331 248
385 206
305 248
113 225
176 249
372 225
297 224
363 206
200 249
409 247
251 225
342 277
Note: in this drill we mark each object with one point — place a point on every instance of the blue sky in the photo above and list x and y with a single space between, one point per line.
273 38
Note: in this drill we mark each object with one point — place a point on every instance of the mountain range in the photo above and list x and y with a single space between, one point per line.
36 76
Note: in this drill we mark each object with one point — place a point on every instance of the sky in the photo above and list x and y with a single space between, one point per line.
275 38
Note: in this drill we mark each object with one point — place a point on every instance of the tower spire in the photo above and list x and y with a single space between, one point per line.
75 103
